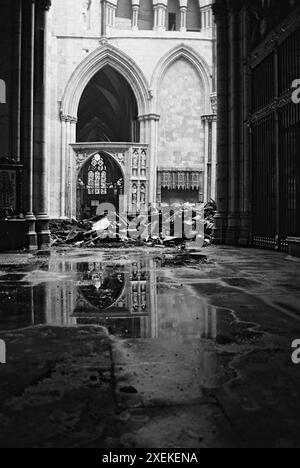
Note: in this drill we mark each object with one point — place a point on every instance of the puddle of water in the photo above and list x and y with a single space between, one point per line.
132 295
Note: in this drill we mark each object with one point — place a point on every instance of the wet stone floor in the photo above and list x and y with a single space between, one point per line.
153 349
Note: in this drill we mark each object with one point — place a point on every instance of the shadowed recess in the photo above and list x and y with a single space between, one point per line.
108 109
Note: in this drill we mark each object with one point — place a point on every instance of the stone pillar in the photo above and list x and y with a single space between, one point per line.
205 125
183 13
111 8
244 208
205 12
209 122
220 13
27 118
149 135
72 167
63 170
68 167
40 157
234 123
160 9
16 86
103 18
214 157
135 14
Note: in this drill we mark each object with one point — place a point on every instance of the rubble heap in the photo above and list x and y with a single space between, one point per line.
113 229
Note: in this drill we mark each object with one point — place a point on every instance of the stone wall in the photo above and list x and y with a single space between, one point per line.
181 103
71 42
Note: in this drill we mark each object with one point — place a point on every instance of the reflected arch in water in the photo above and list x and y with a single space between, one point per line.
101 288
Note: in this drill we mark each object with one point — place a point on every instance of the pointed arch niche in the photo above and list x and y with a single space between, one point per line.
182 88
105 55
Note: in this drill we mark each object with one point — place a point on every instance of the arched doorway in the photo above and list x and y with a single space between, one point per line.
105 103
99 181
107 113
108 109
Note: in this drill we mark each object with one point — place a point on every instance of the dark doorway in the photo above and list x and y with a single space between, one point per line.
108 110
172 22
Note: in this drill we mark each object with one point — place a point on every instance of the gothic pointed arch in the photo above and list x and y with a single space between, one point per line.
105 55
198 62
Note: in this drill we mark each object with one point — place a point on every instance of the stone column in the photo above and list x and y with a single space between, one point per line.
244 208
160 9
205 12
220 13
135 14
63 170
205 122
16 76
27 118
68 167
149 135
72 167
209 122
214 157
234 123
183 13
40 157
103 18
111 8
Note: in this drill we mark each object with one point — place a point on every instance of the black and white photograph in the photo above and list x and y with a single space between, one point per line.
149 227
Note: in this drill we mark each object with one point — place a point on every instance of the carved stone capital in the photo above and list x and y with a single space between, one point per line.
147 117
68 118
214 102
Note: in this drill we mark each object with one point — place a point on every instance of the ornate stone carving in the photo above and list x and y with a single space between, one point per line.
82 156
209 118
103 41
67 118
176 180
120 157
214 103
80 159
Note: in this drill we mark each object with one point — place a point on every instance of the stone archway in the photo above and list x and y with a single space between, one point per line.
200 65
100 180
132 161
192 156
106 55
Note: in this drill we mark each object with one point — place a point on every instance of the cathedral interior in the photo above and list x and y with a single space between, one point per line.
147 107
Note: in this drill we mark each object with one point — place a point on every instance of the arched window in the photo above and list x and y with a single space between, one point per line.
193 19
97 176
146 15
173 18
124 14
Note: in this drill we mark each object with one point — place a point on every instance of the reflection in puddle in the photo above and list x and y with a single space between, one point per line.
129 298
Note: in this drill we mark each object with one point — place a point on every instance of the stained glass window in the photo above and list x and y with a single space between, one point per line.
97 176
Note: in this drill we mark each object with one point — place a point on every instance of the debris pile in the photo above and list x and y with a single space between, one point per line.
210 210
160 229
